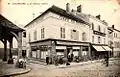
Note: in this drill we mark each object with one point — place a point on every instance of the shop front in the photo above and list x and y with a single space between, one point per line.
60 49
99 51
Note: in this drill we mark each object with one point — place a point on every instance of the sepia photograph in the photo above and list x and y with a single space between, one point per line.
59 38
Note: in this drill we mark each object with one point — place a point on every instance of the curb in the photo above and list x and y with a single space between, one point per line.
18 73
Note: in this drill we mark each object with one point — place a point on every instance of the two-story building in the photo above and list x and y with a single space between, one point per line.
58 32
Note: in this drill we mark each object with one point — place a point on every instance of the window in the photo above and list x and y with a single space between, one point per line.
24 34
104 30
104 40
62 32
35 35
29 38
43 33
93 39
84 36
74 34
99 28
98 39
92 26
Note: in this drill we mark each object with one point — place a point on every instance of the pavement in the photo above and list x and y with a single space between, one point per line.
83 69
7 70
11 70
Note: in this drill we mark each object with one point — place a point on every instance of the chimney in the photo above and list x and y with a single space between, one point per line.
68 7
113 26
73 11
98 16
79 8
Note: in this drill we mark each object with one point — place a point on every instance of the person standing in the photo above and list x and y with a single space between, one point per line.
47 60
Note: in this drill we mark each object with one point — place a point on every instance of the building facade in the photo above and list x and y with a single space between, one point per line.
116 42
59 32
99 37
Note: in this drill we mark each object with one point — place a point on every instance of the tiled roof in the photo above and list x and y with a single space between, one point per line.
5 22
64 13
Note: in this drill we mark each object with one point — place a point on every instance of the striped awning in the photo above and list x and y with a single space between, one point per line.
99 48
107 48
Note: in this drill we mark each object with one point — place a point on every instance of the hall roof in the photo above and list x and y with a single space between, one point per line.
8 24
64 13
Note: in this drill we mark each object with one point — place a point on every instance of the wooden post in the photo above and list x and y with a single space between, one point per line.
20 57
5 50
10 60
20 45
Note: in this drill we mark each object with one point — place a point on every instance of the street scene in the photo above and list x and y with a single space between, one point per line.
68 38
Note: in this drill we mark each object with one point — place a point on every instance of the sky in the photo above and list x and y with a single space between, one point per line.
21 12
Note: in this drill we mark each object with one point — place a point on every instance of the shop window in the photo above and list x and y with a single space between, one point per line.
60 52
43 48
84 51
85 48
62 32
44 54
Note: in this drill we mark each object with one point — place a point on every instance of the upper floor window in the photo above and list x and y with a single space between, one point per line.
29 36
62 32
24 34
99 28
35 35
93 39
43 33
104 30
92 26
99 39
74 34
104 40
84 36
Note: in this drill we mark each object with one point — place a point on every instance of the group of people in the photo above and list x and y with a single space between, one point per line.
60 60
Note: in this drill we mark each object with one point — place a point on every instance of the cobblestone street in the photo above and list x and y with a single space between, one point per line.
90 70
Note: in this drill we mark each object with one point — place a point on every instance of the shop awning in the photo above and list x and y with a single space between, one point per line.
107 48
99 48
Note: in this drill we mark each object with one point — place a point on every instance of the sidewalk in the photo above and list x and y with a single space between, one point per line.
10 69
72 64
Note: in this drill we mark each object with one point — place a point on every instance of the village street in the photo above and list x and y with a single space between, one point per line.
89 70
